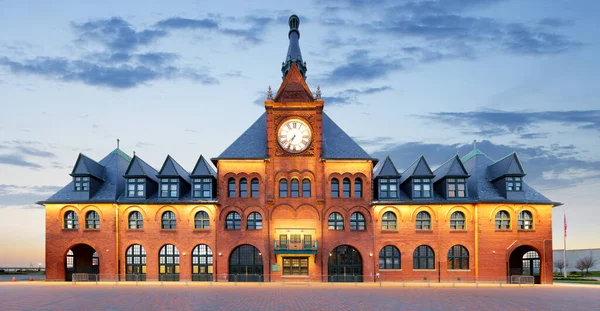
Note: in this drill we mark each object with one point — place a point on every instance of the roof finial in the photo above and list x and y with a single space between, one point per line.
118 143
318 94
269 93
294 56
134 153
474 144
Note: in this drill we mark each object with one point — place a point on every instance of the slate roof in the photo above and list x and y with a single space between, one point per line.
509 165
252 144
453 167
138 168
86 166
419 168
114 166
203 168
171 168
385 168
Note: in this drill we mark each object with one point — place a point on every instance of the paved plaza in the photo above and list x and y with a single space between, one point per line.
228 296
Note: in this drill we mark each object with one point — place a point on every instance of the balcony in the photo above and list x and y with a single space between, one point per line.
294 248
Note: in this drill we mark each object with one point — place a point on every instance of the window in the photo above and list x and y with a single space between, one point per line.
357 221
423 221
421 188
514 184
307 242
388 188
388 221
283 188
295 238
295 266
336 221
202 188
233 221
168 263
255 191
135 187
525 220
335 188
295 188
95 260
243 188
231 188
135 263
92 220
458 258
457 221
423 258
82 183
71 221
169 221
456 187
169 187
136 221
306 188
358 188
346 188
254 221
502 220
389 257
202 263
201 220
70 260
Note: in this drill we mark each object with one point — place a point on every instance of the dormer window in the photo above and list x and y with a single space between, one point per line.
514 184
169 187
388 188
202 188
456 187
135 187
421 187
82 183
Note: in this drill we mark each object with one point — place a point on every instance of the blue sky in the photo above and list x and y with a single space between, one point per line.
403 78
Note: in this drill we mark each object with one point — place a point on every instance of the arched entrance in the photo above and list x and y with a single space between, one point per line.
202 263
168 263
345 265
81 258
246 264
525 260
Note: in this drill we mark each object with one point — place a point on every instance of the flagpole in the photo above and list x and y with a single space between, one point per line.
565 242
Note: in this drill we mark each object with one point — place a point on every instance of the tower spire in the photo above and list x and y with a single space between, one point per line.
294 56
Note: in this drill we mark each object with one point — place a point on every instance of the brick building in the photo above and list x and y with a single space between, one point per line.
295 197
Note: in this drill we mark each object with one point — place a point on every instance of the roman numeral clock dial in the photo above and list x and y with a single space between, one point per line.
294 136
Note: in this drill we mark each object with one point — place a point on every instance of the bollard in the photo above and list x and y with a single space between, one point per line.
31 278
14 279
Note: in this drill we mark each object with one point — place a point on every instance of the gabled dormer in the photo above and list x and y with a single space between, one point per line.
173 180
507 176
204 180
386 180
141 180
451 179
88 176
416 181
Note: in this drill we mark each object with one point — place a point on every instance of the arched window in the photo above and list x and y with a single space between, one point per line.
233 221
389 257
457 221
255 191
231 188
169 221
254 221
71 221
70 262
423 258
135 263
202 263
92 220
458 258
335 188
525 220
423 221
136 221
502 220
388 221
357 221
346 188
201 220
243 188
336 221
295 188
168 263
283 188
358 188
306 188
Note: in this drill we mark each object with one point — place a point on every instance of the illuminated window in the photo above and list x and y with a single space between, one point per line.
525 220
71 221
502 220
201 220
233 221
92 220
457 221
336 221
423 258
423 221
388 221
136 221
458 258
389 257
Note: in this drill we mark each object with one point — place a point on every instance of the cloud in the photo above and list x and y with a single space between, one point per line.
12 195
361 66
521 39
555 22
350 96
35 152
142 144
17 160
187 23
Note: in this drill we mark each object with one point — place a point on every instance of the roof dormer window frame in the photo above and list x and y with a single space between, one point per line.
421 187
169 187
453 187
387 188
136 187
202 185
514 183
81 183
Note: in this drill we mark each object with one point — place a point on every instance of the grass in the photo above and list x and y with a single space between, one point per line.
577 282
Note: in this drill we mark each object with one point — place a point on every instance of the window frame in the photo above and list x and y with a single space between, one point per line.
283 188
233 221
81 183
514 184
201 220
70 223
422 223
254 221
335 188
385 190
356 223
173 188
243 185
139 185
346 188
358 187
168 220
458 261
336 223
137 221
92 220
456 183
525 224
424 261
231 188
395 259
306 188
502 223
421 183
389 223
202 186
294 188
135 257
254 188
455 222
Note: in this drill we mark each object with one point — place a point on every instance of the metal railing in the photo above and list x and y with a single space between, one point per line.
278 245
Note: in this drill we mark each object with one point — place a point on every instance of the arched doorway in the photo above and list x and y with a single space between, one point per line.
81 258
168 263
246 264
525 260
345 265
202 263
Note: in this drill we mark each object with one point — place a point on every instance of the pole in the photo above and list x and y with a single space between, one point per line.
565 243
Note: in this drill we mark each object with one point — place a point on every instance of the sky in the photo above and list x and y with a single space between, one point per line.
403 78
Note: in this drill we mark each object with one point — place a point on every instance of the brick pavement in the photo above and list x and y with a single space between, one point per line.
276 296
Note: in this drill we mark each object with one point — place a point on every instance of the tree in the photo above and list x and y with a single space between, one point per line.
560 265
585 263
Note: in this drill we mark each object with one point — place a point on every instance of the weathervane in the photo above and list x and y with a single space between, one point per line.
318 92
269 93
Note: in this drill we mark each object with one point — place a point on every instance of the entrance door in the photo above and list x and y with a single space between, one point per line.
82 258
345 265
246 264
295 266
168 263
531 265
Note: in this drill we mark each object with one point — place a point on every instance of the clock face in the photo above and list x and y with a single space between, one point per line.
294 136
